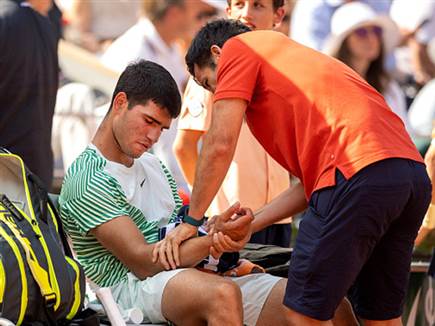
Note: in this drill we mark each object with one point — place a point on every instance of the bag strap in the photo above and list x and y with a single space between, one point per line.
60 229
42 194
10 207
38 272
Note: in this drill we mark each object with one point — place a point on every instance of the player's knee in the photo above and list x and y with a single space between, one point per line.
227 293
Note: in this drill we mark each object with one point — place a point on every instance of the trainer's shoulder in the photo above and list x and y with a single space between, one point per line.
258 38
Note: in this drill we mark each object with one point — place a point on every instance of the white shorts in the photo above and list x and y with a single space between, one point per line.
147 294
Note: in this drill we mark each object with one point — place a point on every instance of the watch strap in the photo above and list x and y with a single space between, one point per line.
192 221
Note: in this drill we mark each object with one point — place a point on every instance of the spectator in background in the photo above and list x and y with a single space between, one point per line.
416 20
284 27
361 39
28 84
95 23
429 219
311 19
254 178
205 10
154 38
422 116
422 111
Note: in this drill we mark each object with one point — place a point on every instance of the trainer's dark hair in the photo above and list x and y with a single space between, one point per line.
275 3
214 33
143 81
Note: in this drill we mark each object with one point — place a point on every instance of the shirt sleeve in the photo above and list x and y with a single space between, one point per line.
97 204
237 71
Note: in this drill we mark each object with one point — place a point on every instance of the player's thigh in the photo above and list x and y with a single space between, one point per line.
195 293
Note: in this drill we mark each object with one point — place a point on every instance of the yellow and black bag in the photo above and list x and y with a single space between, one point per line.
39 279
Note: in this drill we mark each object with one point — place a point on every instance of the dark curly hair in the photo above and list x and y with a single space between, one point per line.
214 33
143 81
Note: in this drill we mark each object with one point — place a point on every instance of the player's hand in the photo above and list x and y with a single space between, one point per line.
167 250
223 243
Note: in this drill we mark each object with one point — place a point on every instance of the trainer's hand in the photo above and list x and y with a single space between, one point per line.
230 213
235 222
167 250
208 226
231 230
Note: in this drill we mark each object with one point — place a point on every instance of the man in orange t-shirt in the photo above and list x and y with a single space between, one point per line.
364 180
250 159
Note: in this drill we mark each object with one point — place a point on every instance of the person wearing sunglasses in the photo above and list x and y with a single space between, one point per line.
361 39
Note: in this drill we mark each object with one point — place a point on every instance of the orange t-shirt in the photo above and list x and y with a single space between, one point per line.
253 178
311 113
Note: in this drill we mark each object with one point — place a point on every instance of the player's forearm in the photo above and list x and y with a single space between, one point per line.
289 203
192 252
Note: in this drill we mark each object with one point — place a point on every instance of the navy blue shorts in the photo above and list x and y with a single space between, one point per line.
356 239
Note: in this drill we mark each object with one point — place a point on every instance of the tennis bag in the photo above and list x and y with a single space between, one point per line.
40 282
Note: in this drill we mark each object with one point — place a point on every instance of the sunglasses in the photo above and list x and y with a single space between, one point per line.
363 32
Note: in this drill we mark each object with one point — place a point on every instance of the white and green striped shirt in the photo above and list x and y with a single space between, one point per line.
96 190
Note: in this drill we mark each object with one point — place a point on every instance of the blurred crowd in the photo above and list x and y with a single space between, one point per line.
390 43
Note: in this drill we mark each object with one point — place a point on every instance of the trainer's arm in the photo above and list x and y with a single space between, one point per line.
186 151
216 153
288 203
215 157
125 241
